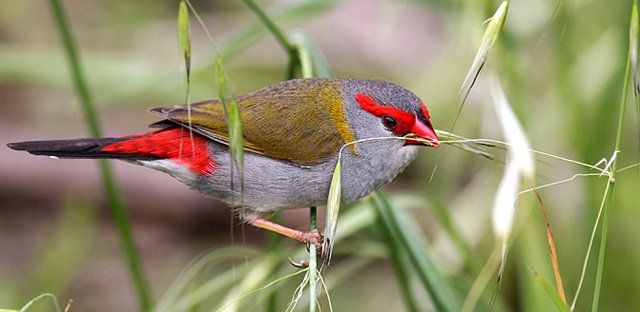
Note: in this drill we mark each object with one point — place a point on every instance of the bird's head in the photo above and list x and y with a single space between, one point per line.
390 110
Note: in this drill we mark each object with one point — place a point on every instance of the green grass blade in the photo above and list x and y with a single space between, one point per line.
400 264
306 62
411 240
634 34
333 210
118 211
321 67
553 295
612 175
271 26
234 123
184 38
235 137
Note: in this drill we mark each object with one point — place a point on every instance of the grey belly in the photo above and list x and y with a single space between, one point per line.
270 184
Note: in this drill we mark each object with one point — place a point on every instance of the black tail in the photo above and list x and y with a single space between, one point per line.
78 148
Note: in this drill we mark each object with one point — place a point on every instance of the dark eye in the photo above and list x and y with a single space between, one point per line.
389 122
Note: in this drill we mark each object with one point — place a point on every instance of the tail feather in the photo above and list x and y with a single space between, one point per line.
172 143
78 148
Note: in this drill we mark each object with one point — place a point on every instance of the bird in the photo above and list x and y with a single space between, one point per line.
293 132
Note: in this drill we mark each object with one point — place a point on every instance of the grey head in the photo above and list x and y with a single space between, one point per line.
380 109
376 108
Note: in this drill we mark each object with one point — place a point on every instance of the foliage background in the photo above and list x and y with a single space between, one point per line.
561 62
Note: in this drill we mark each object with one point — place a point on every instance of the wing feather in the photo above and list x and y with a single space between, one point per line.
295 120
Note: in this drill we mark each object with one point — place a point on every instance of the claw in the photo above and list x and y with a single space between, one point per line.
312 237
303 264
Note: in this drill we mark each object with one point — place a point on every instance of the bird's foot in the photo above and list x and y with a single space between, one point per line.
310 238
313 238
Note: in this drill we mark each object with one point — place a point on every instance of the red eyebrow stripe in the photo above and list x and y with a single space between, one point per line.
405 119
425 111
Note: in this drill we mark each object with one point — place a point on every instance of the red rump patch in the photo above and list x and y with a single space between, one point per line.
175 144
404 119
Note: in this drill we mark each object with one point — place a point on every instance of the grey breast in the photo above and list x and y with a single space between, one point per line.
270 184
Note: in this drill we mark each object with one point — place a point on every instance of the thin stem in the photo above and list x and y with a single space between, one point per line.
119 214
611 184
279 35
590 246
313 263
400 264
273 241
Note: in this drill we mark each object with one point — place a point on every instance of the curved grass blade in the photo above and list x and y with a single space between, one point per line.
333 209
410 238
321 67
401 266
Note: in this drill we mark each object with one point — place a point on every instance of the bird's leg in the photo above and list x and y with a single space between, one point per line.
310 237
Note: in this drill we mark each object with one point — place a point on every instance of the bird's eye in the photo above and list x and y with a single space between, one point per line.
389 122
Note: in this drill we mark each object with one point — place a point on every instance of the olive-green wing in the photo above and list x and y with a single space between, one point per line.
301 120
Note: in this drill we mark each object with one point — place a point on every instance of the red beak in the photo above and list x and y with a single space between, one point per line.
425 132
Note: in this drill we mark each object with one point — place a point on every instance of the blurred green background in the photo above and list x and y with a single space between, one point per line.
561 63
